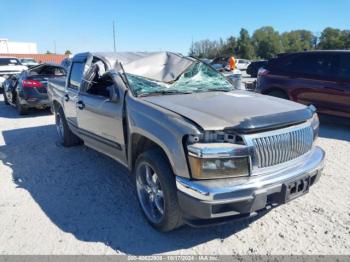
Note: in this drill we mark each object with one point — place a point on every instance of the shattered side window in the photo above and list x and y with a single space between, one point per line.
199 77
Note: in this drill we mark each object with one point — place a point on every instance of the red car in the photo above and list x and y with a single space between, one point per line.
320 78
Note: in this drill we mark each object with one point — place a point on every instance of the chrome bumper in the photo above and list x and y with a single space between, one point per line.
253 190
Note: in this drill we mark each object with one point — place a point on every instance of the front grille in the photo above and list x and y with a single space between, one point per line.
280 148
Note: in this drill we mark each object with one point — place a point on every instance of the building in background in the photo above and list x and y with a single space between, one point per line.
8 47
27 50
40 58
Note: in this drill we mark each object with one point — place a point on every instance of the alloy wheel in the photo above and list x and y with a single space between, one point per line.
150 193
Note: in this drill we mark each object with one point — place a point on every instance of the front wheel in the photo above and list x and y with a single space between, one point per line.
156 190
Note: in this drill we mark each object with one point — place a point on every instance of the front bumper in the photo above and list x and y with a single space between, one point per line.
218 199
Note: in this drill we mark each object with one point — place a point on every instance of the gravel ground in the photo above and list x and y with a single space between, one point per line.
56 200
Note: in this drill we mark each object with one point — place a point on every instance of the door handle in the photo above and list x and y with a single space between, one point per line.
66 97
80 105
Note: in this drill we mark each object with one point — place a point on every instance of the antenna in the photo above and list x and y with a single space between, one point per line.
114 37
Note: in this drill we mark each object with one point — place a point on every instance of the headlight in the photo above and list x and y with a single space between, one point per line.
218 168
218 160
315 124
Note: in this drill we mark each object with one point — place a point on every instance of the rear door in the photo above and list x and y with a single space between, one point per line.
71 95
311 78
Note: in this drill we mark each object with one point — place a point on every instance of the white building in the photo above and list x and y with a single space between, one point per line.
8 47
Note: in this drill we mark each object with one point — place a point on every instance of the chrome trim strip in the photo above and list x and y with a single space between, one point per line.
218 150
215 189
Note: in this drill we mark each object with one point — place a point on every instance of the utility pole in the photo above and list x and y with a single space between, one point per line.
114 36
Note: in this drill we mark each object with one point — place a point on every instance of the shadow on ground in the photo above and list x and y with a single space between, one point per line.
91 196
8 111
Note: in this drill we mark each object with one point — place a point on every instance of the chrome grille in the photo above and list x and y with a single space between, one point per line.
280 148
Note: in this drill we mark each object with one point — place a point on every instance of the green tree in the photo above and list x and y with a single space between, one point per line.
267 42
229 48
297 40
206 48
67 52
245 48
48 52
332 38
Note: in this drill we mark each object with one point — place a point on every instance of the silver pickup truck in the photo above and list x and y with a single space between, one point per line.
201 152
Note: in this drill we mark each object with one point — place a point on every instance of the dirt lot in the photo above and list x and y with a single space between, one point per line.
56 200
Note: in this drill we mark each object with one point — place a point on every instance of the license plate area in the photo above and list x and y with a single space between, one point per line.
296 188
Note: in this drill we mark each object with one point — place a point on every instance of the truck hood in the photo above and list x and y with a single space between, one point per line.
239 110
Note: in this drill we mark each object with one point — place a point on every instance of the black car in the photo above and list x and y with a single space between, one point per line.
254 67
29 88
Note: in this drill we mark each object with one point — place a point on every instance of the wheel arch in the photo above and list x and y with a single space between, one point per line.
140 143
56 105
276 89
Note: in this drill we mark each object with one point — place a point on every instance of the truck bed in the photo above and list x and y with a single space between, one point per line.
56 88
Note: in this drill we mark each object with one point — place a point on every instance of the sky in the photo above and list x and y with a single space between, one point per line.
155 25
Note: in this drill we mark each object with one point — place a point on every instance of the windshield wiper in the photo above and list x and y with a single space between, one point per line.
164 92
215 90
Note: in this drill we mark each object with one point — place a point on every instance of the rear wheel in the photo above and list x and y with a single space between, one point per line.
5 99
21 109
65 135
156 190
279 94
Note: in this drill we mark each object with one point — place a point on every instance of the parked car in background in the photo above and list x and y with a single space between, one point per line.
320 78
29 62
220 63
29 88
9 66
242 64
254 67
200 151
205 60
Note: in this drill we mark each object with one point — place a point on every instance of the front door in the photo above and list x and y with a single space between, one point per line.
100 120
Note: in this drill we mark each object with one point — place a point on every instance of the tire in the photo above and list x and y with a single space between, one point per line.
66 137
279 94
171 218
5 99
21 109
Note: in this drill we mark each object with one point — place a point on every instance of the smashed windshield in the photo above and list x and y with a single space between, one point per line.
199 77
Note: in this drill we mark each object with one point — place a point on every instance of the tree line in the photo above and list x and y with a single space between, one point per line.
266 43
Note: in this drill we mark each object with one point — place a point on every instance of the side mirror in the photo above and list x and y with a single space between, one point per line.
113 93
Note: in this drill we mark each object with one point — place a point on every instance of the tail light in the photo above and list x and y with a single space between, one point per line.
31 83
263 72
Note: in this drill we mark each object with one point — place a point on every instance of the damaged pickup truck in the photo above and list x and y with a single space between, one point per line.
201 152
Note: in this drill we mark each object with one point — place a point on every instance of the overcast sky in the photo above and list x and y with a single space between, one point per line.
153 25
